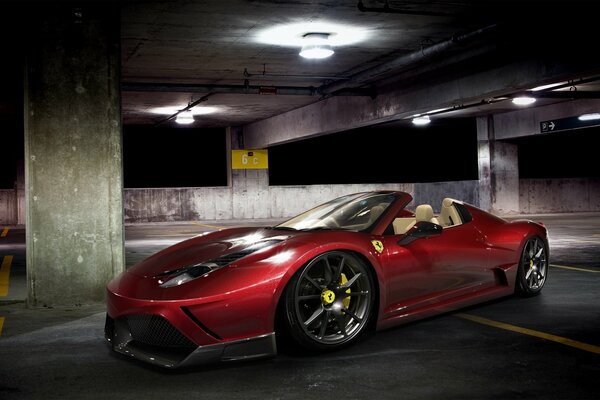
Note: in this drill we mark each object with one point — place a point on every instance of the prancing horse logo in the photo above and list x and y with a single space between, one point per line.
378 245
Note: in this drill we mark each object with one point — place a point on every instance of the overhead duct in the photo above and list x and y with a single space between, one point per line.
388 10
403 62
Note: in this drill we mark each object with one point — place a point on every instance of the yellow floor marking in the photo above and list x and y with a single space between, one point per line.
574 268
1 324
558 339
4 275
208 226
4 232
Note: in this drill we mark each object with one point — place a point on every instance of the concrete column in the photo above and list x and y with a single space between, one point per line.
498 170
73 169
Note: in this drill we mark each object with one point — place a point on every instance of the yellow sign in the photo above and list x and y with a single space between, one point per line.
378 245
249 159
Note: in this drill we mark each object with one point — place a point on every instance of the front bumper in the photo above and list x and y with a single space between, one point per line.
153 339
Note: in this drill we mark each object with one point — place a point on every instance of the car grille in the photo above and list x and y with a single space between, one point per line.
154 330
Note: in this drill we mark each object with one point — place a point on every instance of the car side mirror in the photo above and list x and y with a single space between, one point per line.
421 229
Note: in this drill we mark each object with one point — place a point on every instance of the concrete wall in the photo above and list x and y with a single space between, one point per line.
559 195
8 207
249 197
434 192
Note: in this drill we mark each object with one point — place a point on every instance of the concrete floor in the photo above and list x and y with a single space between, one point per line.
60 353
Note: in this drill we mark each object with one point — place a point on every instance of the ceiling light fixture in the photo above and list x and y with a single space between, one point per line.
421 120
589 117
197 110
316 46
185 117
523 100
293 34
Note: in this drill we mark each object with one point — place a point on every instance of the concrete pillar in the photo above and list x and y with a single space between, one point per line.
498 170
73 169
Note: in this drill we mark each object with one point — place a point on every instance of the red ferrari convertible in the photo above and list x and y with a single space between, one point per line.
359 262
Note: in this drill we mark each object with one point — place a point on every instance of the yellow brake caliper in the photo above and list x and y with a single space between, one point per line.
346 300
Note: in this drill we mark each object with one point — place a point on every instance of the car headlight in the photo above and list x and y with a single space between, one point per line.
188 273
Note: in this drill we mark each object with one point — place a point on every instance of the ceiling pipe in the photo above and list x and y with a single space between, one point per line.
266 75
388 10
403 61
204 88
236 89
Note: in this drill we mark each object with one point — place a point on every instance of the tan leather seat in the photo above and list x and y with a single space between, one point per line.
424 212
449 216
402 225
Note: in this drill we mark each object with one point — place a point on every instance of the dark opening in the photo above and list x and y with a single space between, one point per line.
568 154
173 157
442 151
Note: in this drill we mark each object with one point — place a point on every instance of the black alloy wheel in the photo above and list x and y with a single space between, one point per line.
328 303
533 267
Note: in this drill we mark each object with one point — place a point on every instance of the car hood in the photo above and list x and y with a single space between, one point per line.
223 247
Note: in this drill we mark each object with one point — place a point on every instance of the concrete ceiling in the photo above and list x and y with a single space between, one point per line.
212 42
202 47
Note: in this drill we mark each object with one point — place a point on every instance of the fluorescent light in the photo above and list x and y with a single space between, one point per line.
589 117
544 87
523 100
420 121
185 117
316 45
316 51
198 110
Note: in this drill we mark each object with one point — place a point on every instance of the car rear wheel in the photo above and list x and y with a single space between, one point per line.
533 267
328 302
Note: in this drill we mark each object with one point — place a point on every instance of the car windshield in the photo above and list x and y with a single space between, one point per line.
355 212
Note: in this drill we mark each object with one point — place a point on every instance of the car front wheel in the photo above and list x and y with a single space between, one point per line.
329 301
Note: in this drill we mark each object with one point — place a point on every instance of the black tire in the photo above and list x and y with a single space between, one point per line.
532 271
329 302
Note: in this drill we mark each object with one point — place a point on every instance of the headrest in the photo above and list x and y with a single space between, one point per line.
424 212
447 202
376 212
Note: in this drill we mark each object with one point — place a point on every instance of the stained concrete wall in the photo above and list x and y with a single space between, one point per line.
8 207
559 195
434 192
12 201
250 197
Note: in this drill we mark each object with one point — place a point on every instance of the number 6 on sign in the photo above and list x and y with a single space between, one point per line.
249 159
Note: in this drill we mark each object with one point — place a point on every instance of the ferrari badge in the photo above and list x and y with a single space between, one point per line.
378 245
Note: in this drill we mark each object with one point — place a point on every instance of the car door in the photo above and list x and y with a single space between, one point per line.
432 269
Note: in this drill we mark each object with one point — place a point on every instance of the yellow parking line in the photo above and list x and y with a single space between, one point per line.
208 226
4 232
574 268
558 339
4 275
1 324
